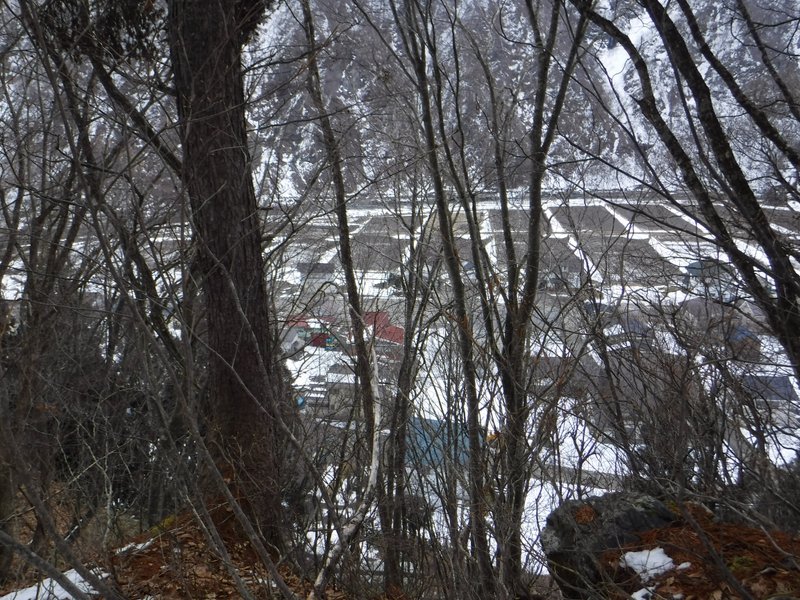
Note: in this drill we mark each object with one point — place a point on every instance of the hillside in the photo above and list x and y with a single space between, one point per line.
390 281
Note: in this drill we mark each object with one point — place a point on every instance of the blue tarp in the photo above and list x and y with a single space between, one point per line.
432 442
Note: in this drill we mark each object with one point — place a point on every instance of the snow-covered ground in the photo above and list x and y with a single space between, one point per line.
49 589
649 564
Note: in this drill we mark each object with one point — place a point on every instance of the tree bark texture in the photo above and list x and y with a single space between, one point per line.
246 391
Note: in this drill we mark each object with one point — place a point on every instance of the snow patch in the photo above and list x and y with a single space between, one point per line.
648 563
48 589
135 547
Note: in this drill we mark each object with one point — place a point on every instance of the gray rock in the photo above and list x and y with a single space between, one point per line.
579 531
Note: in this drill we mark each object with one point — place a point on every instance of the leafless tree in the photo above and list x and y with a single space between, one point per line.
725 182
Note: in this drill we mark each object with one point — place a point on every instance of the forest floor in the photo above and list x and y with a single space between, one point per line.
178 562
712 561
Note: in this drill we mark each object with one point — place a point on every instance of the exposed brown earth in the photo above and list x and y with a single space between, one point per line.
725 560
175 561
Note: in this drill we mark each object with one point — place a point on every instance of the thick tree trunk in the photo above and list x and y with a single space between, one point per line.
246 390
7 513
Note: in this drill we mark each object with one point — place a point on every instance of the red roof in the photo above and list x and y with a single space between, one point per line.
320 340
383 329
390 333
377 319
297 321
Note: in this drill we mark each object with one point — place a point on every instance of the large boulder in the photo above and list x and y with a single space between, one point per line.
627 545
579 531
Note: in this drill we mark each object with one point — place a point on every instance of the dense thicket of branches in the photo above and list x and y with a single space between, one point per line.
500 254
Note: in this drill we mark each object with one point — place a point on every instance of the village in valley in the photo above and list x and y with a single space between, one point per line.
616 278
400 300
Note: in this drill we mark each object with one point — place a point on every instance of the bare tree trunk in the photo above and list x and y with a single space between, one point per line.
416 40
780 308
365 360
363 367
7 495
246 386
